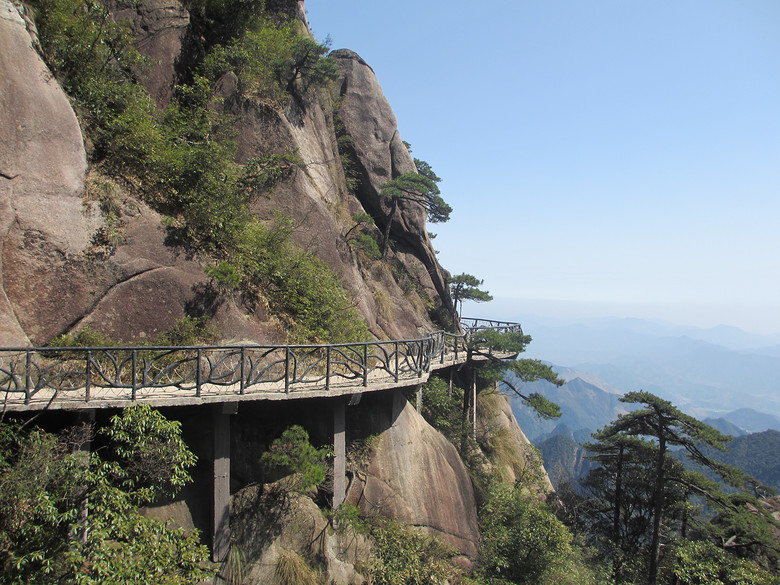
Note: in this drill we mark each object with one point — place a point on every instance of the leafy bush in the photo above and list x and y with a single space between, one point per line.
152 457
702 563
297 284
272 61
522 541
292 453
69 516
443 411
407 557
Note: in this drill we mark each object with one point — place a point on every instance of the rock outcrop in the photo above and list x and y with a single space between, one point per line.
416 476
42 168
382 156
51 227
508 449
160 28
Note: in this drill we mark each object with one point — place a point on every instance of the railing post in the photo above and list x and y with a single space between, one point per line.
88 374
422 362
396 361
243 372
365 364
287 369
133 374
27 377
327 368
197 375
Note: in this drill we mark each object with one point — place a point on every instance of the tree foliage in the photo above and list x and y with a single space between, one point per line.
703 563
70 516
151 457
486 342
641 496
297 459
465 287
524 543
405 556
418 188
272 61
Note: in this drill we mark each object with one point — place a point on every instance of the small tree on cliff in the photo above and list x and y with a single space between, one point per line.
419 188
465 287
510 373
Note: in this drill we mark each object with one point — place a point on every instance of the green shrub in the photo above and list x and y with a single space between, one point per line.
150 451
522 540
190 331
272 60
443 411
703 563
407 557
292 453
68 516
297 284
86 337
181 159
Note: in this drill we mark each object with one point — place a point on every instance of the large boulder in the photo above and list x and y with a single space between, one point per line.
271 528
416 477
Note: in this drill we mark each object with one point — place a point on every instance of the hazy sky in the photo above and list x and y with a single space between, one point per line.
616 156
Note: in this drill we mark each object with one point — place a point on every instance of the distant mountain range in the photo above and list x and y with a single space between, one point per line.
705 372
584 405
757 454
723 376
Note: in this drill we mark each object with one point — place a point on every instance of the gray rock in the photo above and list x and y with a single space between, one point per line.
159 27
42 162
416 477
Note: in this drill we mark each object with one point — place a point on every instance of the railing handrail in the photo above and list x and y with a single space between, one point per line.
224 369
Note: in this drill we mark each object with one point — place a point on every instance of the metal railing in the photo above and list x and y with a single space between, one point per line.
116 374
471 325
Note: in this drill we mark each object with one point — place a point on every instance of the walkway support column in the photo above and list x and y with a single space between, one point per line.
339 453
474 400
221 537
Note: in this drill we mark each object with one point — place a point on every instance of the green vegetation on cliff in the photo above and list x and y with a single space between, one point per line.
181 159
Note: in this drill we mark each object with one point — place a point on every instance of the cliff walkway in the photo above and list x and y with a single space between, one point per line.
88 378
70 378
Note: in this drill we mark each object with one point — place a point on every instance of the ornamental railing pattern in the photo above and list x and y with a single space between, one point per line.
471 325
118 374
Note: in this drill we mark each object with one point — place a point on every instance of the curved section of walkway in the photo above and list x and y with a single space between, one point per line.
109 377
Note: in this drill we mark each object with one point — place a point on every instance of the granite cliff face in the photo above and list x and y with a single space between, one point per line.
50 227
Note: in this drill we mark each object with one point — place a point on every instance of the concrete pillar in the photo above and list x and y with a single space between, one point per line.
474 401
221 537
418 397
339 453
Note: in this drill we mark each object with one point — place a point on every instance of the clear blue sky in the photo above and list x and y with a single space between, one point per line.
602 156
